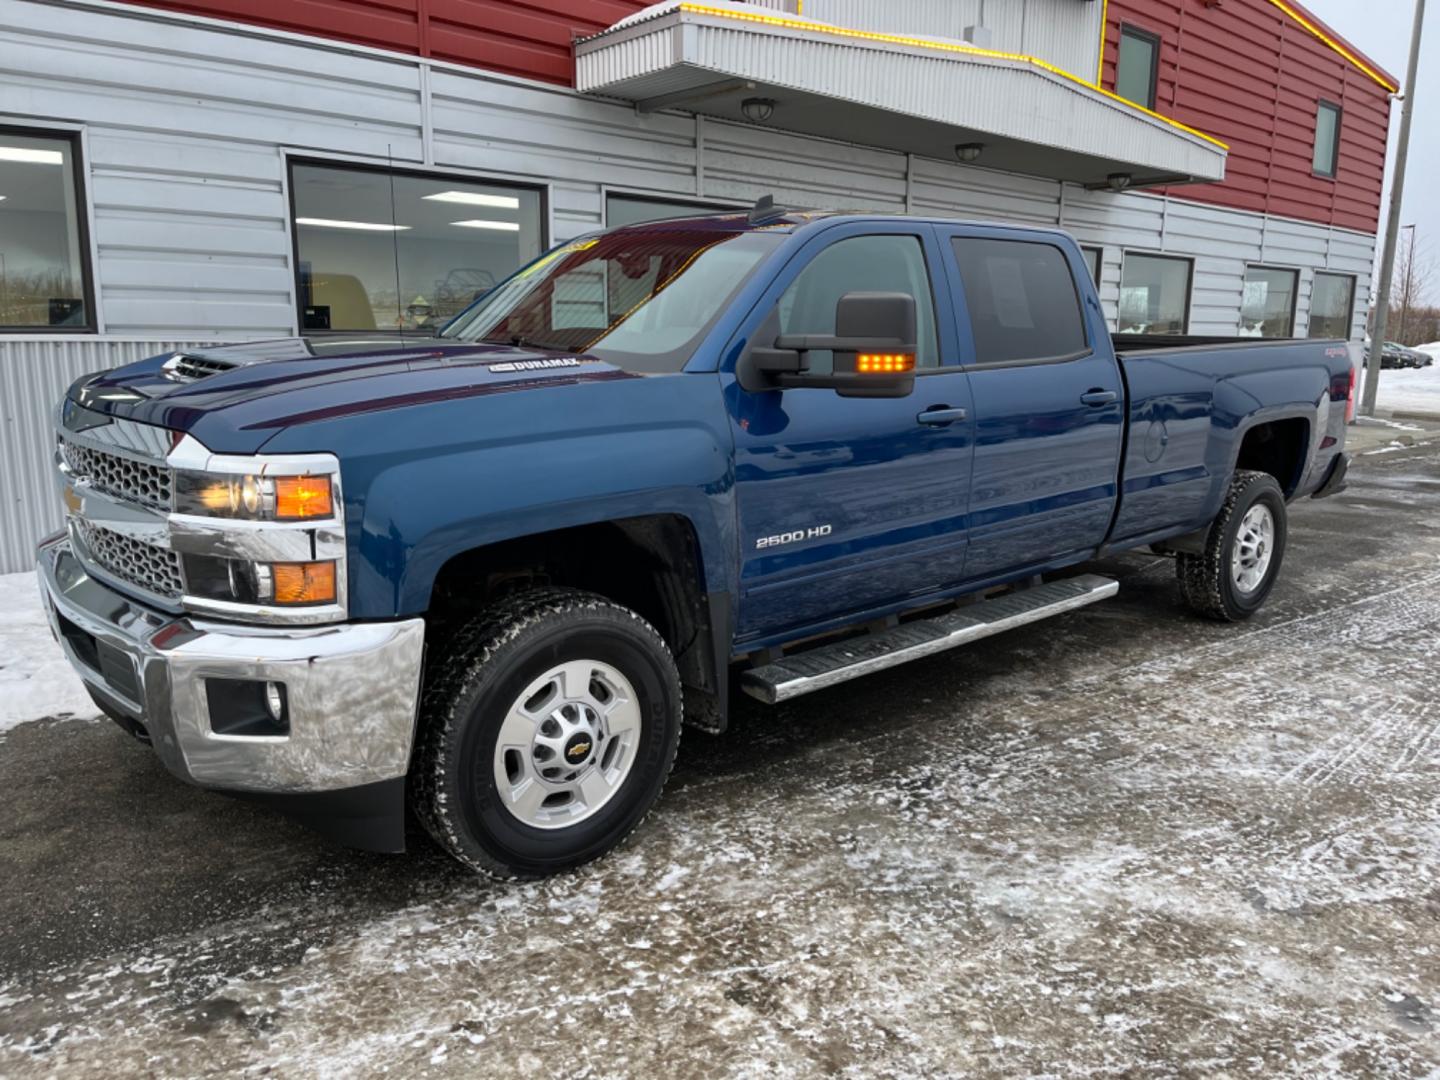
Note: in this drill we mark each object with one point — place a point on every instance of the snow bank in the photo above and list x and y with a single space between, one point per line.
1414 390
35 678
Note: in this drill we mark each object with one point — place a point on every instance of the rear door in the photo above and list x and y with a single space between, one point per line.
1048 399
849 504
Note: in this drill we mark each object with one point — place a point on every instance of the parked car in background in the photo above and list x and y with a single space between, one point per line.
491 571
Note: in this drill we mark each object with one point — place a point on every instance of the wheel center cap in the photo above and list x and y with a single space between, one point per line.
578 748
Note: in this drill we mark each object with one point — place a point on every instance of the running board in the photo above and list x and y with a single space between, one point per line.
828 665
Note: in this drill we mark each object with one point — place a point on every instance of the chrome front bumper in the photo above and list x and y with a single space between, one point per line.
352 688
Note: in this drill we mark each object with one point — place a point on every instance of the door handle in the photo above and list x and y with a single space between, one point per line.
940 415
1098 397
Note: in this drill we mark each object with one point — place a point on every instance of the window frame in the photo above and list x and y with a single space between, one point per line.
75 138
1099 250
1294 272
1156 42
718 207
385 169
1189 260
1354 280
1321 105
972 362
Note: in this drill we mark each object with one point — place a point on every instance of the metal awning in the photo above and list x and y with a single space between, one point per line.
916 95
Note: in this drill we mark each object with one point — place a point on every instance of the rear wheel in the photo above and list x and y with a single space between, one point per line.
548 728
1231 580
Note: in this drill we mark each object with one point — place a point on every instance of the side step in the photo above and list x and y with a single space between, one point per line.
827 665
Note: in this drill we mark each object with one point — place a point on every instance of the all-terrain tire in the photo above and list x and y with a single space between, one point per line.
472 680
1207 584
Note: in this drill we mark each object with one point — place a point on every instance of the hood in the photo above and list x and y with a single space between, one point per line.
233 398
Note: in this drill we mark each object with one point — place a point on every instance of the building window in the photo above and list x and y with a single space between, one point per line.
1154 294
633 209
1332 306
1138 68
44 276
1094 257
1022 301
1268 307
381 250
1327 139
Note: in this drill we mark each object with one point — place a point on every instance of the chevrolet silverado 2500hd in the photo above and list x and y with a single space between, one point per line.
491 572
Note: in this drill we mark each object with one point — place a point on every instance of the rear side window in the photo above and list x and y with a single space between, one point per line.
1022 300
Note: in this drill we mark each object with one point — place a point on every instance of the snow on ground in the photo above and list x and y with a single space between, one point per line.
1412 389
35 679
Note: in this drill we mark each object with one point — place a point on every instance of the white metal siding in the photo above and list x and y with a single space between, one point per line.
1064 32
187 173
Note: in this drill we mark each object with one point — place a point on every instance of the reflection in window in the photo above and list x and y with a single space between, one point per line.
1268 307
1332 306
369 263
1154 294
42 278
633 209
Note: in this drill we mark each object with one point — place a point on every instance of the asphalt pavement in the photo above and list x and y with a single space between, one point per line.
1124 841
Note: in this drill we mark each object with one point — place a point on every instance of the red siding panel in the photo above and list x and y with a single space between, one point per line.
520 37
1250 75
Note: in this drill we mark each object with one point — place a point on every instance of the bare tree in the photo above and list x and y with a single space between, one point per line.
1414 274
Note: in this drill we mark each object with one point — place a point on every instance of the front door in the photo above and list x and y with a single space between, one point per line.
850 504
1049 402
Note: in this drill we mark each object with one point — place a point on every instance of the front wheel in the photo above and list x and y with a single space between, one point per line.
1243 551
548 728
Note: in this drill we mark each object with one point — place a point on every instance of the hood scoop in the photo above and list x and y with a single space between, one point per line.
191 367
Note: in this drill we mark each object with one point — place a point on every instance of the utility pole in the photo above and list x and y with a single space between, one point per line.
1407 289
1392 227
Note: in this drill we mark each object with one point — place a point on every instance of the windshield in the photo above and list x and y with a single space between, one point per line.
637 298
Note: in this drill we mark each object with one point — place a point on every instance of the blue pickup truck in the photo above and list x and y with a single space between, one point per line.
489 574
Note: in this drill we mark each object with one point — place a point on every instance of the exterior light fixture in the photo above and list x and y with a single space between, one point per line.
758 109
1118 181
969 151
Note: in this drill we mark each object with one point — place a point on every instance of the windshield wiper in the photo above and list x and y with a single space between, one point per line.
519 341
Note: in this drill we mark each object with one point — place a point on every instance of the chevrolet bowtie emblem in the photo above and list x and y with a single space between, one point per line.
579 749
72 499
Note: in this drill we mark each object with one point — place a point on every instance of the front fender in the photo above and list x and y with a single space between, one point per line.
429 482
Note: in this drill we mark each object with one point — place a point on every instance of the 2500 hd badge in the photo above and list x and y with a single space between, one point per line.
812 533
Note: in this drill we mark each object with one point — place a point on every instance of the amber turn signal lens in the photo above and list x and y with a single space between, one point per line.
304 582
884 363
302 497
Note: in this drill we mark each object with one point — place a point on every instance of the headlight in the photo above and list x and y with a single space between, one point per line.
254 497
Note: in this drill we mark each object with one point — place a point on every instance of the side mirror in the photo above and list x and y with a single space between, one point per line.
873 348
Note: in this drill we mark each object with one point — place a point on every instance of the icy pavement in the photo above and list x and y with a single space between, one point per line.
35 680
1124 842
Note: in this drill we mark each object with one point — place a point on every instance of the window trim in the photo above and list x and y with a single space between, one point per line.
1354 280
1294 271
1157 42
385 169
1125 254
635 195
75 138
1321 104
972 363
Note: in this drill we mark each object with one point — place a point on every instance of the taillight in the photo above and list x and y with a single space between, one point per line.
1350 397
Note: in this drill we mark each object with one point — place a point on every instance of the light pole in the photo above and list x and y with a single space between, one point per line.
1408 285
1392 228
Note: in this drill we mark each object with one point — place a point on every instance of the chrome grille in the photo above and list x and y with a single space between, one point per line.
123 477
147 566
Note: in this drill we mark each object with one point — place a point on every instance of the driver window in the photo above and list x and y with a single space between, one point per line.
883 263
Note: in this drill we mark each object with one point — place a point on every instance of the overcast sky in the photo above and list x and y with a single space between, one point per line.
1381 29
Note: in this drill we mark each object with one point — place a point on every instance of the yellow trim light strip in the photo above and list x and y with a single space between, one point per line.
1100 60
1335 45
938 46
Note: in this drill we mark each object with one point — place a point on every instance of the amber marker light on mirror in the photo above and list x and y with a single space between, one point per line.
298 497
884 363
304 583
